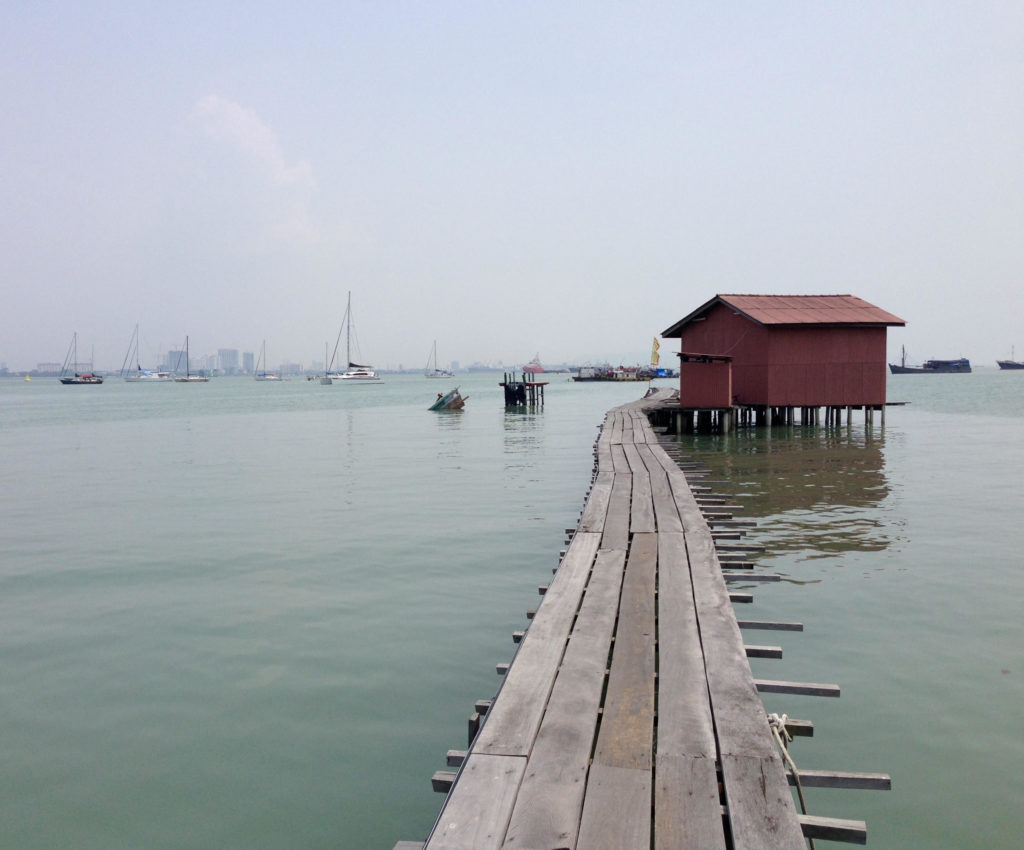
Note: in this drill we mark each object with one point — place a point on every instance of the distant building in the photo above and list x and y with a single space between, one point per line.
783 351
248 362
227 361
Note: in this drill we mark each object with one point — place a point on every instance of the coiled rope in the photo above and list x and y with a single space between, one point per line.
777 723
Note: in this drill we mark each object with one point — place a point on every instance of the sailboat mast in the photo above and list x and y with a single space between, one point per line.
348 332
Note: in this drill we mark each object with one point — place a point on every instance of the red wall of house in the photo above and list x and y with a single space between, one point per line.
705 384
793 366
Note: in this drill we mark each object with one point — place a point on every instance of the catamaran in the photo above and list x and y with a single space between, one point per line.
355 372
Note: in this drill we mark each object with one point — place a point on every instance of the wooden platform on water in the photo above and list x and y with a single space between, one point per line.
629 716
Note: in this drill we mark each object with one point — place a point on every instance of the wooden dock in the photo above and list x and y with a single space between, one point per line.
629 716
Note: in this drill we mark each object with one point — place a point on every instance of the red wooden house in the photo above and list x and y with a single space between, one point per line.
783 351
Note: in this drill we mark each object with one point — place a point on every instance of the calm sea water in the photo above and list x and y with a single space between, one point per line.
245 614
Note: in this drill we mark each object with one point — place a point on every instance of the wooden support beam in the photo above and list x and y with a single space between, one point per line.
772 625
502 668
834 829
741 597
455 758
482 705
442 781
800 728
751 576
763 651
842 779
811 689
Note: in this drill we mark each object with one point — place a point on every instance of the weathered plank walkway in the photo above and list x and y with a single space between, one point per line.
629 717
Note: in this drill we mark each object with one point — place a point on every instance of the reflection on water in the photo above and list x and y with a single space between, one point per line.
819 491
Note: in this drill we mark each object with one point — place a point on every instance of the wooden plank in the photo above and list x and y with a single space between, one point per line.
761 810
665 512
597 503
617 809
476 813
641 506
409 845
514 718
550 803
687 814
627 726
686 810
685 726
616 524
619 462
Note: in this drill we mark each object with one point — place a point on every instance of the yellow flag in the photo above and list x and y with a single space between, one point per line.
654 352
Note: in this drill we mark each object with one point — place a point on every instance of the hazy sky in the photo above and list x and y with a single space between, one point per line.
506 177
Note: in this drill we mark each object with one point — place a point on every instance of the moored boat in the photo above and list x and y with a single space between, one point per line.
355 372
69 374
188 377
930 367
534 366
432 370
1011 363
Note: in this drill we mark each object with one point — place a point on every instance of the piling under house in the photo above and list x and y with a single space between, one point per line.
762 358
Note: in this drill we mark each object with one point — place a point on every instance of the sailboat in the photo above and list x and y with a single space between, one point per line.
432 370
69 373
189 378
264 375
355 372
138 374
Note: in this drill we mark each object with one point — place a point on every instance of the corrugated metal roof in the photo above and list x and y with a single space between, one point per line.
796 310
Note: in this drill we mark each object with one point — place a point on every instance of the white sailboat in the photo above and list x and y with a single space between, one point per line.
137 374
189 378
263 374
432 370
354 372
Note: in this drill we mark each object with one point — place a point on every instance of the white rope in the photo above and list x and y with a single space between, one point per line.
777 722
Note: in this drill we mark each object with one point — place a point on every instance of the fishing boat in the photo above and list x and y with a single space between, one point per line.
69 373
1011 363
354 372
188 377
137 374
263 374
432 370
929 367
451 400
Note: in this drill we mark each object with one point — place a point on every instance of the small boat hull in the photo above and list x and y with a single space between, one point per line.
452 400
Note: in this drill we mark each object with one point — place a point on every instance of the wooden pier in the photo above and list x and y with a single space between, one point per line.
629 716
522 392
